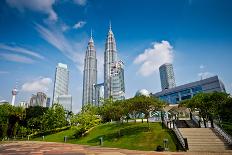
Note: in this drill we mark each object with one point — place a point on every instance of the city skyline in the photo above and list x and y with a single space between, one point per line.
195 36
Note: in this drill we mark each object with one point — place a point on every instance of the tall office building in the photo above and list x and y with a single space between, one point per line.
61 81
117 80
90 74
167 76
99 93
111 67
65 101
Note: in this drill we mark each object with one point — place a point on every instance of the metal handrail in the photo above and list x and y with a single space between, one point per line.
179 135
223 133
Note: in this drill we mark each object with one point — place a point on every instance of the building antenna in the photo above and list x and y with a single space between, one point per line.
91 33
110 25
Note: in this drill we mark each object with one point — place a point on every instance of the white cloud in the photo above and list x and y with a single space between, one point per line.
64 27
40 84
16 58
21 50
80 2
152 58
42 6
202 66
69 48
79 25
204 75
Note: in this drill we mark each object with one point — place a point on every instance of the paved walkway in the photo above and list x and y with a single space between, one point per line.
50 148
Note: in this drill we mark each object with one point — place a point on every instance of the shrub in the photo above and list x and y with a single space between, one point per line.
48 132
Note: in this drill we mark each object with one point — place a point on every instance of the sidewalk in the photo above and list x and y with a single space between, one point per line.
52 148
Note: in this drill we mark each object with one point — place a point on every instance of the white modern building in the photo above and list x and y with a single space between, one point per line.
167 77
187 91
61 81
65 101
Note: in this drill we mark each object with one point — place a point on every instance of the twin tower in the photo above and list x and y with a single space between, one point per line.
113 86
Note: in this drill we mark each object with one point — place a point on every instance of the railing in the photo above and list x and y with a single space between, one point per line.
222 133
179 136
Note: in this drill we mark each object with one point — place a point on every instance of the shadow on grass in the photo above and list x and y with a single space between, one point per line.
119 133
175 140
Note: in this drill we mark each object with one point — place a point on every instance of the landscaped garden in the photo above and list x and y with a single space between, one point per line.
134 136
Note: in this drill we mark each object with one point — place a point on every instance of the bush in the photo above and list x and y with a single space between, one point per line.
48 132
80 131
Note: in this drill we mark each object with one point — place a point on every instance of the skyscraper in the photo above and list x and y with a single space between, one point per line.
90 74
113 70
61 81
117 80
65 101
99 93
167 76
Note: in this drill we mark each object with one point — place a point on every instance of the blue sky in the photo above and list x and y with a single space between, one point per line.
194 35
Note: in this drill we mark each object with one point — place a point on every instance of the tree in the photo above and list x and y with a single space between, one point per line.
85 120
54 118
208 104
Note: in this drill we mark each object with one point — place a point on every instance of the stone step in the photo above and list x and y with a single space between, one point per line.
206 143
200 137
203 139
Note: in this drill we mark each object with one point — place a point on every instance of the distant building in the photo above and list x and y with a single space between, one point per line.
4 102
99 94
14 93
187 91
167 76
61 81
117 91
39 99
65 101
23 104
48 102
143 92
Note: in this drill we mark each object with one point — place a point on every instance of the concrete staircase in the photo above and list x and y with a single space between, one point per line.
204 139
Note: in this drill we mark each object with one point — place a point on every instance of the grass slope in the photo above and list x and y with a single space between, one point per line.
134 136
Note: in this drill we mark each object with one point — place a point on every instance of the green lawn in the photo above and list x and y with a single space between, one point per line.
134 136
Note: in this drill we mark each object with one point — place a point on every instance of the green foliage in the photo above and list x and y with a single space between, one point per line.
54 118
133 136
17 121
211 106
118 110
48 132
85 120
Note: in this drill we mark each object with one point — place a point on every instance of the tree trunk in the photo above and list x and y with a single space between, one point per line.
204 122
211 121
191 115
142 120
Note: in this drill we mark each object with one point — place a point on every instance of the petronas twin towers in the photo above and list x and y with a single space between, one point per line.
114 86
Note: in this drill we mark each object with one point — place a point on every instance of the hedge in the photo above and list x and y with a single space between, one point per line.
48 132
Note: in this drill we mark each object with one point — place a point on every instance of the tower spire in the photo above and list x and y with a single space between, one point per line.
91 33
110 25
